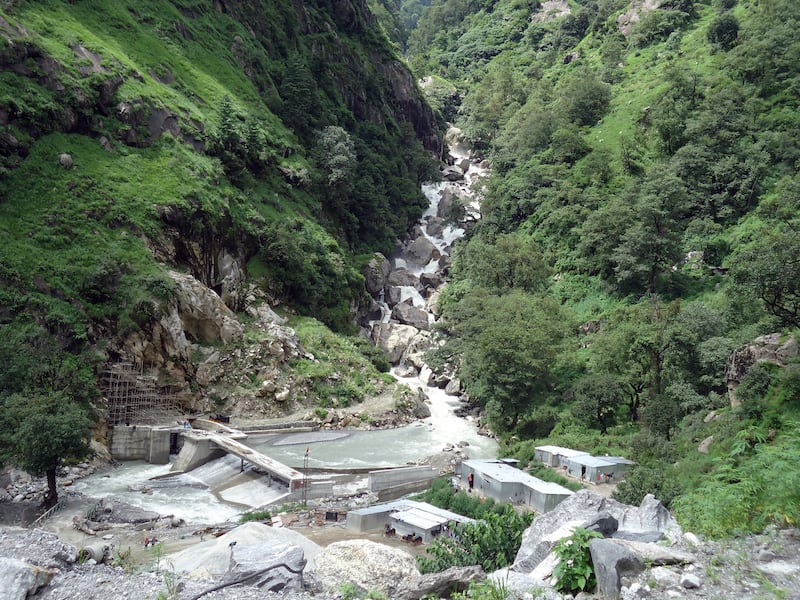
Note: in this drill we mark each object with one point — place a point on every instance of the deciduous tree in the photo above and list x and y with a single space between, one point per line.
43 432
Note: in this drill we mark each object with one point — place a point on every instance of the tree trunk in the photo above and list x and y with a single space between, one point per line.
52 493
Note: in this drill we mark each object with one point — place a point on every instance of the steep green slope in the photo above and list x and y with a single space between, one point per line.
143 136
644 204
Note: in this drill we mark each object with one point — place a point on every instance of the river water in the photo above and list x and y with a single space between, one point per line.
218 491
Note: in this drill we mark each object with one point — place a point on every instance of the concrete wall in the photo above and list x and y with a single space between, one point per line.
369 521
543 502
140 442
398 491
389 478
316 489
196 452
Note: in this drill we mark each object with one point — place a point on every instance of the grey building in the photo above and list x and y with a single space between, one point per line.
591 468
505 483
555 456
405 518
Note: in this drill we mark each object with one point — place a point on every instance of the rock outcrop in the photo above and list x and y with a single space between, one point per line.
650 522
773 348
581 509
20 580
440 585
364 564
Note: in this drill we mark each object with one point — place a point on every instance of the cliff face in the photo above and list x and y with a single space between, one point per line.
78 87
143 138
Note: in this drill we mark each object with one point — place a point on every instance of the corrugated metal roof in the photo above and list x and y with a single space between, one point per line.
428 517
568 452
592 461
399 506
508 474
418 518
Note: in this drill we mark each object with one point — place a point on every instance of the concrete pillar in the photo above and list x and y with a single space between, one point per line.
159 446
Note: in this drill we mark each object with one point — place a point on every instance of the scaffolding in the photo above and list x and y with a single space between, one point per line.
135 398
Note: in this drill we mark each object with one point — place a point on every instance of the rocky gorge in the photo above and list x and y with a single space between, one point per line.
643 554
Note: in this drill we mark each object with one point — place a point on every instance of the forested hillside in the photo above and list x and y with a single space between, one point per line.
640 226
261 148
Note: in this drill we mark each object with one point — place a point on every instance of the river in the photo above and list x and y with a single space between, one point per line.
218 491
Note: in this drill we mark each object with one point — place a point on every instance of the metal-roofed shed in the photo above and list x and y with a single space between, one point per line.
506 483
492 478
621 468
423 521
590 468
555 456
544 496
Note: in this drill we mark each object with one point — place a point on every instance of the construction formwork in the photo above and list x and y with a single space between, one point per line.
136 398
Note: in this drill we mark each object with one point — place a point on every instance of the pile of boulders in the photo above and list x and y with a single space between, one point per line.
19 486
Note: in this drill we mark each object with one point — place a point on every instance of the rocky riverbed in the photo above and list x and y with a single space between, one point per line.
644 555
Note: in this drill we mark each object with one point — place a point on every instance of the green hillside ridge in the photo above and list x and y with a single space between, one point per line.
142 137
643 210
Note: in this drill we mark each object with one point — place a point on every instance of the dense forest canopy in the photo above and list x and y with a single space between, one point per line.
641 219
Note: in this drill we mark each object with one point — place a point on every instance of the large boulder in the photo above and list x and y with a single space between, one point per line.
376 272
772 348
393 339
430 280
365 564
524 586
451 197
411 315
585 506
203 314
611 562
421 409
422 251
452 173
440 585
269 566
400 277
417 348
214 557
20 580
394 295
230 280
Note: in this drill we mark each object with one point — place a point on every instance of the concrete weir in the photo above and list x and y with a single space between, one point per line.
209 440
201 442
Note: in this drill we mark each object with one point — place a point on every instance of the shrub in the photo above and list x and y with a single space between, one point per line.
659 481
255 515
574 571
492 543
724 31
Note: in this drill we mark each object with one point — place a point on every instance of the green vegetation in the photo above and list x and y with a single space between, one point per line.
255 515
640 224
574 571
340 371
483 590
492 541
141 137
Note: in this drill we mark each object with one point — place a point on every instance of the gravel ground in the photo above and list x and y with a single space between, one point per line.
75 579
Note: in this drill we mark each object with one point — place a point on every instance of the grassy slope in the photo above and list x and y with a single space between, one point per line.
76 256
